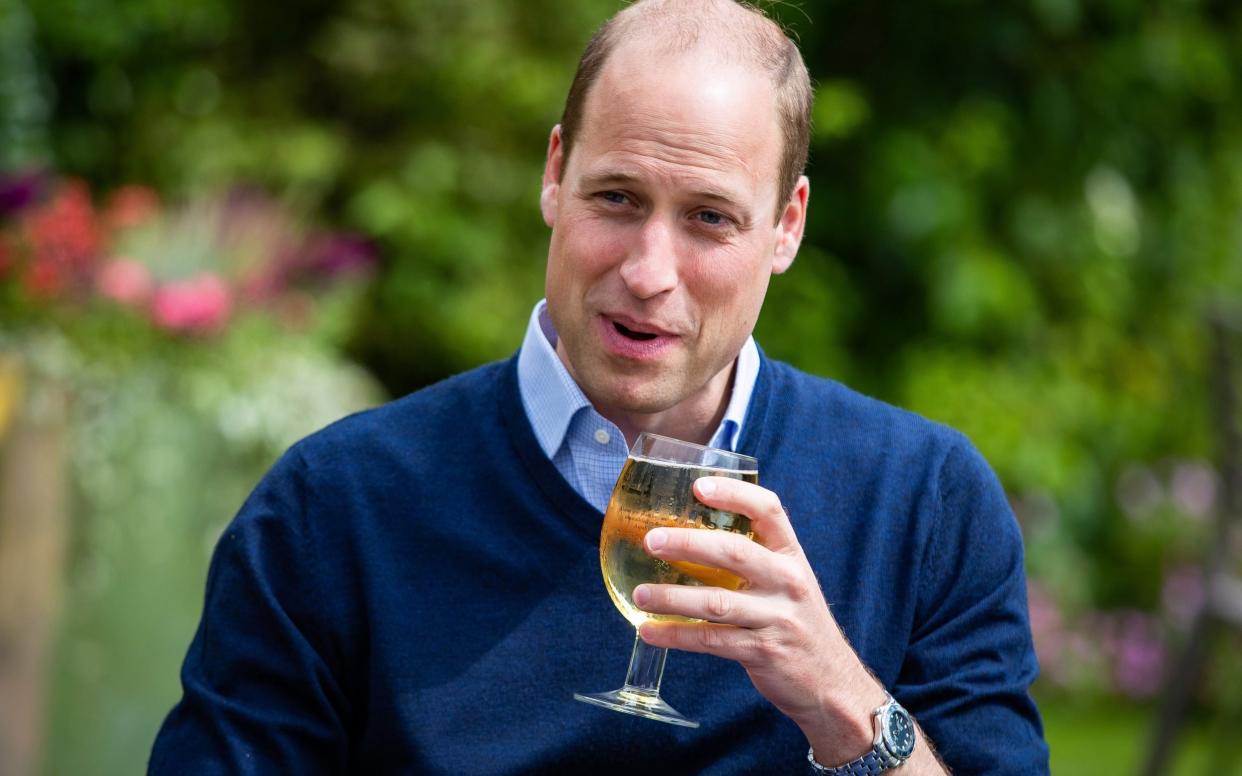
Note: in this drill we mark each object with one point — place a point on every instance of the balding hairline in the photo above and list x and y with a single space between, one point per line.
678 26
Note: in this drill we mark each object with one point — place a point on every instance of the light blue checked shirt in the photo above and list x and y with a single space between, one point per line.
586 448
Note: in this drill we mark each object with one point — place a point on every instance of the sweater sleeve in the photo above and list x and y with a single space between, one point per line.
258 695
971 658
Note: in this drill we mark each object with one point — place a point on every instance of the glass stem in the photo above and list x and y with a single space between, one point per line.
646 668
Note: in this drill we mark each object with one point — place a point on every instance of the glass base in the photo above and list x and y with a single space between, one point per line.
638 703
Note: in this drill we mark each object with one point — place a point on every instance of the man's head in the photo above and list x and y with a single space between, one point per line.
748 36
663 239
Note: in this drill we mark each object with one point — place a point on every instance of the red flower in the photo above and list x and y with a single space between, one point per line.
45 280
64 241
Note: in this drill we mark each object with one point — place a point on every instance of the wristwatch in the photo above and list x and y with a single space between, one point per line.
895 735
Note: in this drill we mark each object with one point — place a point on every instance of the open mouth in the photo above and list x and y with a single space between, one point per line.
641 336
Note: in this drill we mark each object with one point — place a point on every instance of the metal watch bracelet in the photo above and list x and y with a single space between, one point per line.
869 764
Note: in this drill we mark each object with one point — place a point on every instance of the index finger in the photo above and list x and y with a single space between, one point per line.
772 527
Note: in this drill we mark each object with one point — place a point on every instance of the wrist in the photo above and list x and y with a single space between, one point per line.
894 742
842 727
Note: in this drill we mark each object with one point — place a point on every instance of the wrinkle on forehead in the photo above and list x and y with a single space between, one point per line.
684 114
668 140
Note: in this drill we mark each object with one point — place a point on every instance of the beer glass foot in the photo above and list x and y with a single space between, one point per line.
640 695
638 703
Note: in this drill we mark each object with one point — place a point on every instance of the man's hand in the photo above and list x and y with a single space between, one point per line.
778 626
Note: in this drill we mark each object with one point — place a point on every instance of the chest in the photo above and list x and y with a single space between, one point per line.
483 614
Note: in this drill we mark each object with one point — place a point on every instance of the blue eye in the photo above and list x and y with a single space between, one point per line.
711 217
615 197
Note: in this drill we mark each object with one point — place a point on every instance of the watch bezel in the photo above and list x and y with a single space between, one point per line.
885 738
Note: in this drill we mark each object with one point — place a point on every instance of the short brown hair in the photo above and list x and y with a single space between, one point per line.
761 42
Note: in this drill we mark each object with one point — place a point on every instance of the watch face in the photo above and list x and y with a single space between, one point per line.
899 732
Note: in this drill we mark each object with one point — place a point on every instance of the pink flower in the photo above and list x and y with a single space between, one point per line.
125 281
1182 594
1056 644
200 305
1132 640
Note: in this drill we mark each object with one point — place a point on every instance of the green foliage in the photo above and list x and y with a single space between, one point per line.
1036 206
24 105
164 446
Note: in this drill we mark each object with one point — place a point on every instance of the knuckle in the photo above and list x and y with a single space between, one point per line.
800 590
736 552
798 581
790 581
774 506
769 645
718 604
787 623
711 638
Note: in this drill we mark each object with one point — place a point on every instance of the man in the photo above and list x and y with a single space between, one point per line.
416 588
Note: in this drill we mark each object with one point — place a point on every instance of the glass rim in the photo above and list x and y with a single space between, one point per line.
741 457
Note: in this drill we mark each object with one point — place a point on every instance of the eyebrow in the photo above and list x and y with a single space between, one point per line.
700 190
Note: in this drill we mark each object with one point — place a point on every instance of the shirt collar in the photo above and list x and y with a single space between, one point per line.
745 374
549 393
552 398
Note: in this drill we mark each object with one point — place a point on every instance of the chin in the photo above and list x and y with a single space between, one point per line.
644 399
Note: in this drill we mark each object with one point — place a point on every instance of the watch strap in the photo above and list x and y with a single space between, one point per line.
870 764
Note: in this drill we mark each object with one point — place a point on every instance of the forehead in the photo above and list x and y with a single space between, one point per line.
686 116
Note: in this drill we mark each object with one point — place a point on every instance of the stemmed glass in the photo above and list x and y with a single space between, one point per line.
654 490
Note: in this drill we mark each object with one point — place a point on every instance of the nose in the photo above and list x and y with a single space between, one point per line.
651 267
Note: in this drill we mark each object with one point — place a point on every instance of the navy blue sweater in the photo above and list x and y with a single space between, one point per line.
415 589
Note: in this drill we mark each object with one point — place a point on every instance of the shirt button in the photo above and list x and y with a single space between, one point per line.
601 436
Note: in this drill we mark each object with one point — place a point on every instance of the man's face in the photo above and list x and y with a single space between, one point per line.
663 229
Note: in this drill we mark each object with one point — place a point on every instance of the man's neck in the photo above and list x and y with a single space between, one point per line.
694 419
690 423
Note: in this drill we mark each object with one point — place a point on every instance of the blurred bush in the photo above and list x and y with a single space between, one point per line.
195 343
1021 213
1035 206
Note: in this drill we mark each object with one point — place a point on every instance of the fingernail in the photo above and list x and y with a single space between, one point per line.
656 538
706 487
642 594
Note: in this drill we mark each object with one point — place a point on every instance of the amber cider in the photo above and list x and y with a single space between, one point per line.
650 494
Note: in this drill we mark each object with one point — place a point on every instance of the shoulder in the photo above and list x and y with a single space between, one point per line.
861 426
914 460
364 470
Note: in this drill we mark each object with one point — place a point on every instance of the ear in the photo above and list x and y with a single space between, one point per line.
790 226
552 177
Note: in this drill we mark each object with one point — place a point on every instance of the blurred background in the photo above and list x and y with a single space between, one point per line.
224 224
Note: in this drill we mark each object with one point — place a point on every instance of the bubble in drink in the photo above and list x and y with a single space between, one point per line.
650 494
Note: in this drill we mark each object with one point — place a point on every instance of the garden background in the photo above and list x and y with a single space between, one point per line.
224 224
